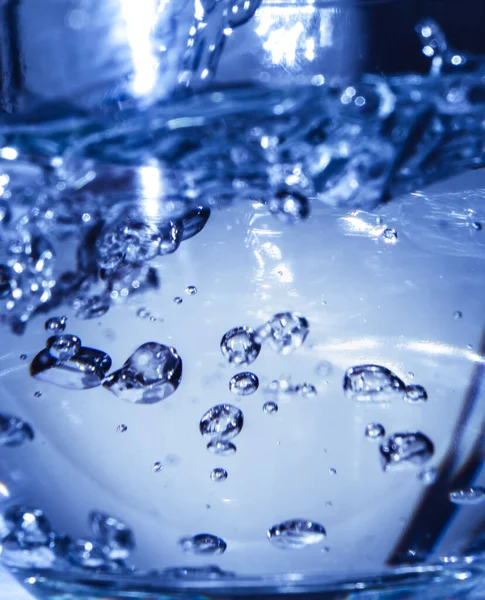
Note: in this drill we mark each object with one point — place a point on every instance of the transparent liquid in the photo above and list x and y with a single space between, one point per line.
245 233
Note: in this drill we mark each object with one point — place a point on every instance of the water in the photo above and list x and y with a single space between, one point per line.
148 260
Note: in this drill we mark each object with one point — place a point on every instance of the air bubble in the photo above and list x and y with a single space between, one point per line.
457 315
240 346
285 332
390 235
14 431
468 496
244 384
323 369
428 476
116 539
296 534
203 543
57 324
415 393
177 300
222 422
404 450
157 467
63 347
191 290
150 374
122 428
219 474
270 408
372 383
221 448
374 431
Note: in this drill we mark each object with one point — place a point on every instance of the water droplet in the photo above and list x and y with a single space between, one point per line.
221 448
457 315
191 290
157 467
29 525
374 431
323 369
240 345
372 383
332 471
415 393
87 554
390 236
222 422
57 324
63 347
296 534
428 476
289 207
244 384
403 450
270 408
218 474
117 540
84 370
177 300
286 331
150 374
471 495
122 428
203 543
37 394
14 431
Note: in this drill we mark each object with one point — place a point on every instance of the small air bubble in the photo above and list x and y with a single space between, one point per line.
23 357
374 431
121 428
477 226
191 290
143 313
153 319
332 471
57 324
219 474
157 467
415 393
177 300
37 394
270 408
457 315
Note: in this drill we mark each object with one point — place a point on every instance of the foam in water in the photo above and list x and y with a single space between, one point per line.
296 534
149 375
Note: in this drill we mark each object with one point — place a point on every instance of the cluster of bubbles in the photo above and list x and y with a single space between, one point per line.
29 541
150 374
378 384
